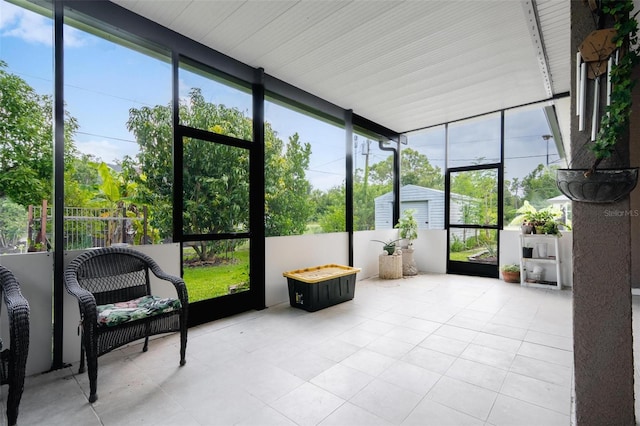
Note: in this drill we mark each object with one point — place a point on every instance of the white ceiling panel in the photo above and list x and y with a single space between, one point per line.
554 17
287 27
201 18
162 10
243 23
405 64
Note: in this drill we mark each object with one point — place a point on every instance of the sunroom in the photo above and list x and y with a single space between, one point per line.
232 141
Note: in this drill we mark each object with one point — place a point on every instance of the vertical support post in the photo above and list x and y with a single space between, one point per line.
349 226
396 175
176 152
58 186
256 190
602 329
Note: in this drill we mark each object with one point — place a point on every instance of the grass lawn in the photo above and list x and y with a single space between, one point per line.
463 256
206 282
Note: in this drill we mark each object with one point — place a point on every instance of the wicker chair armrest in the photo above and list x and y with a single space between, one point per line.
178 283
18 314
19 333
14 299
86 300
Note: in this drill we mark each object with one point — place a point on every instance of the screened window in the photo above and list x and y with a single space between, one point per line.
372 182
118 180
530 164
213 102
304 171
474 141
26 144
422 170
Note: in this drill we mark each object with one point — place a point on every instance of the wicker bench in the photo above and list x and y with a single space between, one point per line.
13 361
113 289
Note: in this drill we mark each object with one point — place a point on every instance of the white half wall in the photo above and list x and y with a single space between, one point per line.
366 251
510 247
430 250
34 272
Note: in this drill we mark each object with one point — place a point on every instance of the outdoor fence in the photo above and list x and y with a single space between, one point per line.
87 227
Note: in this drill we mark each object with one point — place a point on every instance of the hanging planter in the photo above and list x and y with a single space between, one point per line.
610 54
597 186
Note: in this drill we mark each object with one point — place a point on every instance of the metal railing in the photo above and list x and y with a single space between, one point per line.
87 227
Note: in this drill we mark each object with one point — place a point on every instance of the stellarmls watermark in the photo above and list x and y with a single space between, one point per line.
621 213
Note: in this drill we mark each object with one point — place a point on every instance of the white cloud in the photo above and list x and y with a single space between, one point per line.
34 28
8 13
74 38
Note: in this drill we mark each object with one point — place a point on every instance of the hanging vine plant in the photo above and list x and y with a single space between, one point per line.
610 185
615 120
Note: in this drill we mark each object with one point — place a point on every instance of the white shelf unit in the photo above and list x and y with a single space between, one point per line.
550 263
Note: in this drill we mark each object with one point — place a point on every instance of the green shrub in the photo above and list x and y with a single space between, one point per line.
510 268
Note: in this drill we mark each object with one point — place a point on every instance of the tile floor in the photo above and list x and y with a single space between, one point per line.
425 350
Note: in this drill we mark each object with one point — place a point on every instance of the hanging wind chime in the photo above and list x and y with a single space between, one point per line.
596 56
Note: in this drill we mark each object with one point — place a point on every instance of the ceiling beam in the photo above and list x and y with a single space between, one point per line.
533 24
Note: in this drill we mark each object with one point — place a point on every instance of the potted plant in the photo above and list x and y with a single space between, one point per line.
390 260
609 185
388 246
408 226
511 273
544 221
408 231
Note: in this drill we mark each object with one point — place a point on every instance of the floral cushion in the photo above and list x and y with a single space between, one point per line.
147 306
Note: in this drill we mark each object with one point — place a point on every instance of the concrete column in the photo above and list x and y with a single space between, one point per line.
634 152
602 333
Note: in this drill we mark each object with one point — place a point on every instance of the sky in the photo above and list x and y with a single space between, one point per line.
473 140
101 87
103 80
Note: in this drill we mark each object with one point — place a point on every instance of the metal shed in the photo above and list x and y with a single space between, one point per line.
428 204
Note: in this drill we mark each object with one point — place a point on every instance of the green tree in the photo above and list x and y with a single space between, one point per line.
216 176
511 199
26 148
152 168
13 223
364 203
81 181
287 190
480 205
540 185
380 173
333 218
415 169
